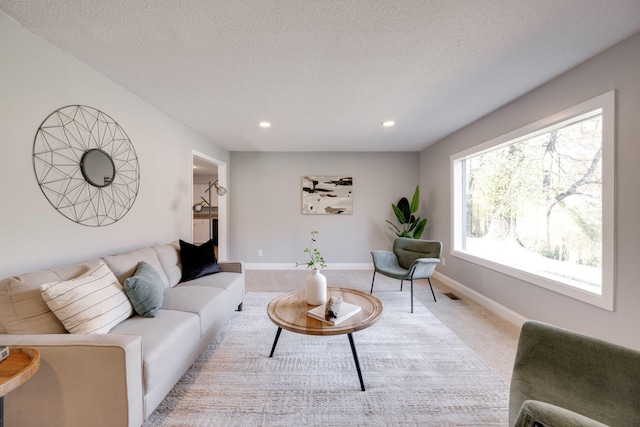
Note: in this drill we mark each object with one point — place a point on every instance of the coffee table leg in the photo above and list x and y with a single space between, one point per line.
355 358
275 342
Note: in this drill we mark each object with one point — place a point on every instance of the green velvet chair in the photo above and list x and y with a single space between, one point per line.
562 378
411 259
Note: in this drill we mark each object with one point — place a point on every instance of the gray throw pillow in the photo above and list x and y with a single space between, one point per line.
145 290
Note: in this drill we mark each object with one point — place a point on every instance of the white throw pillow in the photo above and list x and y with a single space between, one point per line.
90 304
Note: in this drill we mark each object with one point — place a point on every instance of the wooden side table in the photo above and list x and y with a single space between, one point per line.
289 311
15 370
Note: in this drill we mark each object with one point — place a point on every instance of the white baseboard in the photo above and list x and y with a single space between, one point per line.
500 310
292 266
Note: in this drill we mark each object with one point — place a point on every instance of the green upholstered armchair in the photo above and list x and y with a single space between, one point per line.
562 378
410 259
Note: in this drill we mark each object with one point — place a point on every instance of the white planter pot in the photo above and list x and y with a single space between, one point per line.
316 288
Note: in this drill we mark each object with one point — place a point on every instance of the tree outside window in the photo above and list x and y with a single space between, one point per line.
538 203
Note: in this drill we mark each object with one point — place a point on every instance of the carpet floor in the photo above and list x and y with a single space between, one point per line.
416 371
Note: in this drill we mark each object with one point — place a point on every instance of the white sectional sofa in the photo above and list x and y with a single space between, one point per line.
116 378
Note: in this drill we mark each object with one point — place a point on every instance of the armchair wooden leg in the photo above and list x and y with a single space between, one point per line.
401 282
432 293
374 278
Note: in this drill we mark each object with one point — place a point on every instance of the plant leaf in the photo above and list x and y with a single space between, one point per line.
419 229
403 206
415 202
395 228
398 213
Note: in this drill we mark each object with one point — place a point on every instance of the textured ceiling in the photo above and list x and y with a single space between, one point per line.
327 73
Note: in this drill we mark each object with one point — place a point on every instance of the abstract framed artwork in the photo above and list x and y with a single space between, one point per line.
327 195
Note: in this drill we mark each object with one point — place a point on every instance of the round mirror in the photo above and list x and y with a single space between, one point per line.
97 168
97 186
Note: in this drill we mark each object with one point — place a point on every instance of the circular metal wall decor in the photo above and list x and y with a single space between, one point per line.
86 166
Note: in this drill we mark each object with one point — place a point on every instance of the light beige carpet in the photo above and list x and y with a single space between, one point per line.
416 371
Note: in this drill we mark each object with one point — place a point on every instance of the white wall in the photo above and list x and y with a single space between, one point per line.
616 69
36 79
266 204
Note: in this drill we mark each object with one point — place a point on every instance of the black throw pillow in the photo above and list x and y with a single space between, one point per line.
197 261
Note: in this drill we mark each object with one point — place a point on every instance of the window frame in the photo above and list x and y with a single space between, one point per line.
605 103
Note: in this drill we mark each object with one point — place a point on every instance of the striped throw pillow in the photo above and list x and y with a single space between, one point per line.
90 304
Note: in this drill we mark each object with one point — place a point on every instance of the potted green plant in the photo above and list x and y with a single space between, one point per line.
316 285
411 226
315 257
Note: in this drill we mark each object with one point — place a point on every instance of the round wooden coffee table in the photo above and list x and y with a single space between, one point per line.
289 311
15 370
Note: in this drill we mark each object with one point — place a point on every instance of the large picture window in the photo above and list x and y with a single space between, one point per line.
538 203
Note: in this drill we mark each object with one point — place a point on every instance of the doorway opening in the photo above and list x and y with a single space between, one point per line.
209 209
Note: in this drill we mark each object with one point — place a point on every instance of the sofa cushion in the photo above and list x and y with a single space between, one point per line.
145 290
90 304
224 280
209 304
125 265
22 308
167 340
198 261
169 256
230 282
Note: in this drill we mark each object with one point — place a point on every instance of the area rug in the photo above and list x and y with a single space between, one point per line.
416 373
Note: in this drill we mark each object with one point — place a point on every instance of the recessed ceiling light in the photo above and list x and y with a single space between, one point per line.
388 123
264 124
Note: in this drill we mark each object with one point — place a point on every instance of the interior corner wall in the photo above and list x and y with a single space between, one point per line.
37 78
266 204
616 69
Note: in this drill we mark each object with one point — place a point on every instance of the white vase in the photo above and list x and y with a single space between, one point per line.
316 288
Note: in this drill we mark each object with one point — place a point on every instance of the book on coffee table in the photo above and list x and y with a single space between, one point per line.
346 311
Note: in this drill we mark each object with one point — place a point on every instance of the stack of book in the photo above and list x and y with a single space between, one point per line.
346 311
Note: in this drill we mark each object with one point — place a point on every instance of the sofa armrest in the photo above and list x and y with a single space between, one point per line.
82 379
536 413
231 266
